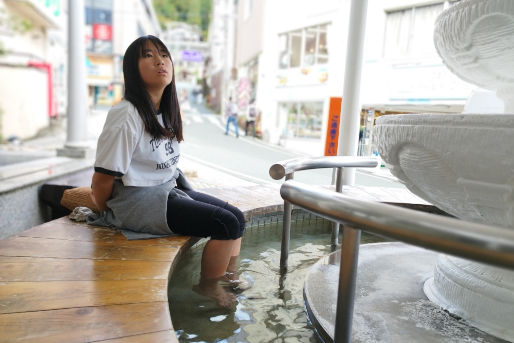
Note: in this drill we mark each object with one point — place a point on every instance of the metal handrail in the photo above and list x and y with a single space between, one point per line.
283 168
482 243
287 168
479 242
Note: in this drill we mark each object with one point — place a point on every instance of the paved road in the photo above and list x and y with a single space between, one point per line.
247 157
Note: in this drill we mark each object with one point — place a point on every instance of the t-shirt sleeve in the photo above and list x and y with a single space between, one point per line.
116 145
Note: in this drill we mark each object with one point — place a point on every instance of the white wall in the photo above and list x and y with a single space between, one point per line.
23 101
420 80
289 15
23 90
385 81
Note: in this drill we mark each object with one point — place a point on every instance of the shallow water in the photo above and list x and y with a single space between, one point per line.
273 309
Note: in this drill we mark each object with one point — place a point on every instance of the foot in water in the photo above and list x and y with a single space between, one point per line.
212 289
236 282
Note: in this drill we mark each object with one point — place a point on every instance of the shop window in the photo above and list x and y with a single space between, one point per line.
310 47
322 53
303 119
296 49
248 9
409 32
305 47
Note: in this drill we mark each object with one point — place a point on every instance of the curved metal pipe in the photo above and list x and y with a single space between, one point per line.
288 167
280 169
482 243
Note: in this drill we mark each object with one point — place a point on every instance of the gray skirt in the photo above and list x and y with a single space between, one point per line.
142 210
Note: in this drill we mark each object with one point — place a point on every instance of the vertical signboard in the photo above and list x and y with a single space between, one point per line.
99 26
334 115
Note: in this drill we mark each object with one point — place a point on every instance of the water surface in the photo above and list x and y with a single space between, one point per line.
273 309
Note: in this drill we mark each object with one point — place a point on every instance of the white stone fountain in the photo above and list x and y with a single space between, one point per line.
464 164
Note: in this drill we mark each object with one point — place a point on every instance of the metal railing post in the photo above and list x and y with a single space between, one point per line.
346 288
335 225
287 169
286 231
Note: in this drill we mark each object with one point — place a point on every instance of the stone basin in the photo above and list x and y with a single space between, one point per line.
463 164
475 39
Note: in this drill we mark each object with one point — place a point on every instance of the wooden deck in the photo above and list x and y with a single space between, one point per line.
64 281
69 282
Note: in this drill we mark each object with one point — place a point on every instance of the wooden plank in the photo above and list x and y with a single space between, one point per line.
41 296
64 228
42 247
155 337
87 324
52 269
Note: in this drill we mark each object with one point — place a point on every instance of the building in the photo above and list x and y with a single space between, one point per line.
31 65
292 54
221 72
33 57
188 51
111 25
250 30
285 55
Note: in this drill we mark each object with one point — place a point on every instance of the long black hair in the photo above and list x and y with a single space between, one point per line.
136 93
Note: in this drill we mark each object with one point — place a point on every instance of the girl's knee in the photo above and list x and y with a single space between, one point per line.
230 227
237 213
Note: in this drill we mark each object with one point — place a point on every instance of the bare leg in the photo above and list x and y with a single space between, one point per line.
236 248
215 260
232 274
233 263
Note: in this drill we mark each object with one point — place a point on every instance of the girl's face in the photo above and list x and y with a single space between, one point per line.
155 67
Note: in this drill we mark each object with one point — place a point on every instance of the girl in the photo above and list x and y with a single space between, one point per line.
135 179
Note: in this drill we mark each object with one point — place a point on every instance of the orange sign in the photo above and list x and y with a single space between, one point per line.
334 115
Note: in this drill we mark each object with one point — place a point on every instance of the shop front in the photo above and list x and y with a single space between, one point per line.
100 76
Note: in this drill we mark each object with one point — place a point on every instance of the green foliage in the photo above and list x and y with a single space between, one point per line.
194 12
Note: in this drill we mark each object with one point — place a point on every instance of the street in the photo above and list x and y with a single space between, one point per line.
205 142
246 157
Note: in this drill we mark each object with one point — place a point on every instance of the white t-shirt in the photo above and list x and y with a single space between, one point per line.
126 150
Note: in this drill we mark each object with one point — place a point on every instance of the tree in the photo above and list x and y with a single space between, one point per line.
194 12
165 10
205 15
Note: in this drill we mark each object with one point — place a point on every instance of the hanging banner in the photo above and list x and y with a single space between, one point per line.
334 115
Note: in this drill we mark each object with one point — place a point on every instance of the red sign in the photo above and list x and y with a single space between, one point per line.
334 115
102 31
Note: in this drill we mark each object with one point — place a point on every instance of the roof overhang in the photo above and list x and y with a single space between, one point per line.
35 12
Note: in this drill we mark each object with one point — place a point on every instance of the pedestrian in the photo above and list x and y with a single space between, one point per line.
231 113
136 183
250 118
